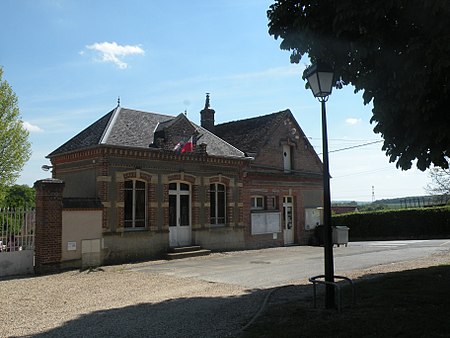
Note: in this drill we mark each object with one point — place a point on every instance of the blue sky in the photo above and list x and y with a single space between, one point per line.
69 61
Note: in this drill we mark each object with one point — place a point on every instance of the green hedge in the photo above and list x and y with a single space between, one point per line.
423 223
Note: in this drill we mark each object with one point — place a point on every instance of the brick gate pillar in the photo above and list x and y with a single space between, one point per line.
48 240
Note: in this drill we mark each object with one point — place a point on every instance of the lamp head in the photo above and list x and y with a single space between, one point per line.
320 79
46 167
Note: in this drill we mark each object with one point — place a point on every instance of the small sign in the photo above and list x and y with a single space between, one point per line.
71 246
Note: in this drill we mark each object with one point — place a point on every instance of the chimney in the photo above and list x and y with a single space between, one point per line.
207 116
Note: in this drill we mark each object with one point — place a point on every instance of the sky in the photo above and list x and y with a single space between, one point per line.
69 61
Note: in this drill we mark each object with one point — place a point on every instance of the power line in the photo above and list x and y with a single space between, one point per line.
364 172
352 147
342 139
356 146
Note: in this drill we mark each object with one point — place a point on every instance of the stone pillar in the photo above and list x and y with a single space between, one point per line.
48 236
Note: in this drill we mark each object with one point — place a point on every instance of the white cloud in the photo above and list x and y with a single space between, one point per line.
352 121
113 52
31 127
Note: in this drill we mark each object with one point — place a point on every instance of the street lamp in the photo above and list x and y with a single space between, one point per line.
320 80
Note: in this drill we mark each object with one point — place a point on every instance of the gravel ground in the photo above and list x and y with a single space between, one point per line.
117 302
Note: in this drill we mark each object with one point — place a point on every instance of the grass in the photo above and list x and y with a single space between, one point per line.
412 303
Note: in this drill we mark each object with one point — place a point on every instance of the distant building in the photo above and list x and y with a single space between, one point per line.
343 209
164 181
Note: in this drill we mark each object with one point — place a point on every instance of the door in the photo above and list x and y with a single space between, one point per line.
179 214
288 220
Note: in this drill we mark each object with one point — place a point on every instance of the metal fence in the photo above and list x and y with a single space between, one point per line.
17 227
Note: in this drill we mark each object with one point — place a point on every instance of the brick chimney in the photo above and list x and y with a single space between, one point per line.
207 116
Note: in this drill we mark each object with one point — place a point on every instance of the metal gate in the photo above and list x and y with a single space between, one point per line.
17 229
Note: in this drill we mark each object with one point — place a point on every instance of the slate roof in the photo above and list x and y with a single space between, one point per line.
132 128
250 135
85 139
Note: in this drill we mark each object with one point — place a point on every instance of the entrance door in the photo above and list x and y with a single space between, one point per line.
179 214
288 220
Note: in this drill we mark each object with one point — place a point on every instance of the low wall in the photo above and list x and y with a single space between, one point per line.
16 263
134 246
220 238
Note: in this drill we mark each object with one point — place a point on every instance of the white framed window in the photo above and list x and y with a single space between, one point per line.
287 158
217 197
257 203
135 204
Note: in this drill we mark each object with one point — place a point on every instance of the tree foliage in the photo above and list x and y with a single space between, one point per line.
15 149
395 51
19 196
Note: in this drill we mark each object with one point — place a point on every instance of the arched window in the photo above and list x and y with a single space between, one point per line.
217 197
135 200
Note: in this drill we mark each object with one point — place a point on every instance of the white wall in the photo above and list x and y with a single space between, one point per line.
16 263
79 225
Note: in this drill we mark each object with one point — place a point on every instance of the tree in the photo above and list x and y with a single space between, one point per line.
440 182
395 51
19 196
15 149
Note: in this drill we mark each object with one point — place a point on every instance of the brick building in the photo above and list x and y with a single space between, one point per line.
164 181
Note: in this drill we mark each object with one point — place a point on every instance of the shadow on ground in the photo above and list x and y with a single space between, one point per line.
182 317
412 303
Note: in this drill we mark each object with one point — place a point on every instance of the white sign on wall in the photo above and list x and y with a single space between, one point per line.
313 218
266 222
71 246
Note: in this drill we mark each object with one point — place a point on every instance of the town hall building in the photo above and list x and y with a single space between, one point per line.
163 182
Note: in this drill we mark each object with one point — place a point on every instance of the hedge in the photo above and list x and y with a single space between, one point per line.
423 223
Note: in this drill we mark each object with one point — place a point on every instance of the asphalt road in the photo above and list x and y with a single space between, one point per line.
273 267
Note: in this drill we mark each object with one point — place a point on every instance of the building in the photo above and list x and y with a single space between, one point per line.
343 209
163 181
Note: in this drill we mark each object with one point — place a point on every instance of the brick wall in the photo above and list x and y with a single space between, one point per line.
277 187
288 132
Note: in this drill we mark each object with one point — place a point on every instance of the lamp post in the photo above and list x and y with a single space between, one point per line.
320 79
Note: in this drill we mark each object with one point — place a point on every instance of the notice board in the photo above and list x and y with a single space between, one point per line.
266 222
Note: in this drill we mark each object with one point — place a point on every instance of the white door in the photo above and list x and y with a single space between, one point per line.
179 214
288 220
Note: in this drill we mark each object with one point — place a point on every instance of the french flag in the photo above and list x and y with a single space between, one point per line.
188 146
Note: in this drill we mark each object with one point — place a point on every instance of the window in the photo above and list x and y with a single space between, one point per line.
257 203
135 200
287 158
217 199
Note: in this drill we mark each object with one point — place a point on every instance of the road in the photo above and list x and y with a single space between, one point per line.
273 267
